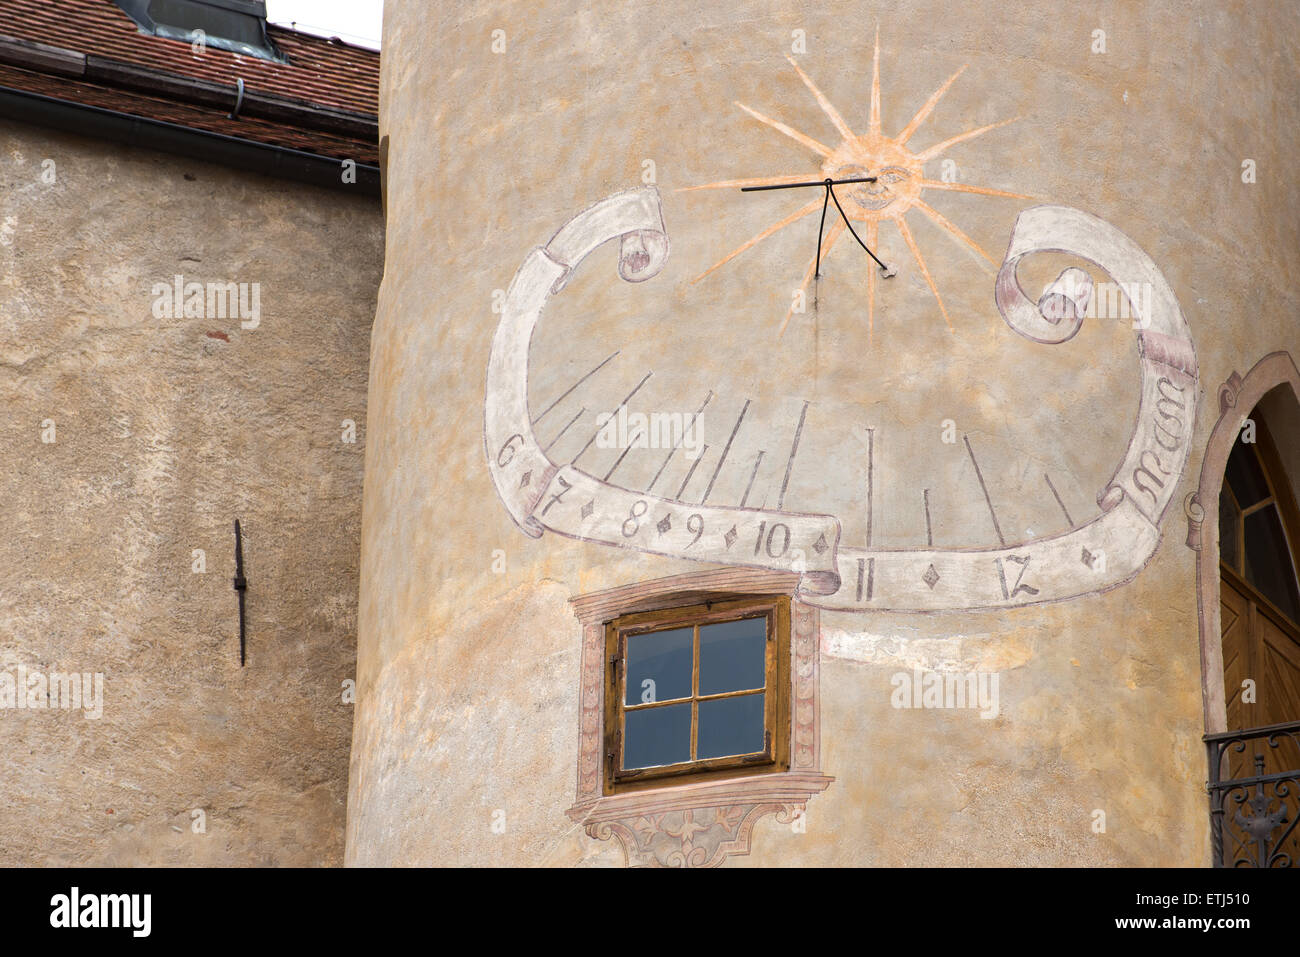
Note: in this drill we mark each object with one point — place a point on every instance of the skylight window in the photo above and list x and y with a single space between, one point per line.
235 25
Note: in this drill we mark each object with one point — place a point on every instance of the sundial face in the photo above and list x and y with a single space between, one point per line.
654 414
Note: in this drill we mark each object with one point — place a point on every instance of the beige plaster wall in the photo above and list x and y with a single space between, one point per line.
468 678
165 432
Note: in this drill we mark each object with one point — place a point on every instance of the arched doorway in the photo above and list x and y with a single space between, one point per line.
1259 598
1245 524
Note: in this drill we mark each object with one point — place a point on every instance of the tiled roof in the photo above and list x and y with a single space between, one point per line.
320 74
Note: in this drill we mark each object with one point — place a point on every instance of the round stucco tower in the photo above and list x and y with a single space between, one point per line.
691 537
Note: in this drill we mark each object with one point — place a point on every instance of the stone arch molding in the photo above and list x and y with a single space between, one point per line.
1237 397
542 495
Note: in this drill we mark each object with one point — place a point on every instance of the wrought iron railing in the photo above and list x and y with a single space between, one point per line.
1253 818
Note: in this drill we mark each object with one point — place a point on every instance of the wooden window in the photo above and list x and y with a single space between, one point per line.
699 692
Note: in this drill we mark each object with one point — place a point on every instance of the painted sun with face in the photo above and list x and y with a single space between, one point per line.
899 182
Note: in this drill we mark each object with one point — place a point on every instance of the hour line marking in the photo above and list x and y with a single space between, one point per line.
979 475
619 461
565 429
794 447
929 534
725 449
574 386
595 435
673 450
687 481
1068 520
752 475
871 465
869 566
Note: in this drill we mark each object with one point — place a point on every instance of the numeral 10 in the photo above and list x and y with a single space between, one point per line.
771 534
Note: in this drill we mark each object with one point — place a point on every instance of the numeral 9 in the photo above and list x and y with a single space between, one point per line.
695 524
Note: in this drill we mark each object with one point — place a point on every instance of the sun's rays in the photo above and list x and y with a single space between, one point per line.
939 184
828 241
874 123
939 148
952 230
830 111
794 134
873 232
920 261
752 181
926 109
797 215
896 188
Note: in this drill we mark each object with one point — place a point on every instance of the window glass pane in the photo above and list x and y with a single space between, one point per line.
659 666
1268 562
213 21
733 655
1229 516
657 736
730 726
1245 476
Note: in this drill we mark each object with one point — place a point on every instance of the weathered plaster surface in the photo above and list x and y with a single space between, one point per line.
468 678
166 430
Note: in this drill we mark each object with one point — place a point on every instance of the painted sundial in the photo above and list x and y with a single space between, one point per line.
661 406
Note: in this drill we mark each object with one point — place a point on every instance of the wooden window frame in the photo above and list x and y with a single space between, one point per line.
775 756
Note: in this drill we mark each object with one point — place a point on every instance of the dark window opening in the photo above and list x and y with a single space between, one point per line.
1252 535
235 25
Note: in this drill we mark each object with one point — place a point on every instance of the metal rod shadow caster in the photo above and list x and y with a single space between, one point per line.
888 271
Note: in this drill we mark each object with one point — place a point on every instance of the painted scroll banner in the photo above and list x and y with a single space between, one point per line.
1110 549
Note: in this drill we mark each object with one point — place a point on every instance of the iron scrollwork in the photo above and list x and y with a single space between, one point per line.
1253 819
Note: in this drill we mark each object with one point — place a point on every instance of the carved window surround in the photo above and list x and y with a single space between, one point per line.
697 824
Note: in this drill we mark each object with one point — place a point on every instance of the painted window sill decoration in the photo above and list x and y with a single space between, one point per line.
696 824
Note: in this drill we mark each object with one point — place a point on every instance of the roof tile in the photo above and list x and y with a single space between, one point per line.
319 72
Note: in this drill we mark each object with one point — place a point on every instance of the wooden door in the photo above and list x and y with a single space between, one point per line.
1259 609
1261 646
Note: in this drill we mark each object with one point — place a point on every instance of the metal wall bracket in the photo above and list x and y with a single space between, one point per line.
241 586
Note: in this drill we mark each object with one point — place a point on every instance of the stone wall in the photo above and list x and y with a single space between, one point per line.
134 439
